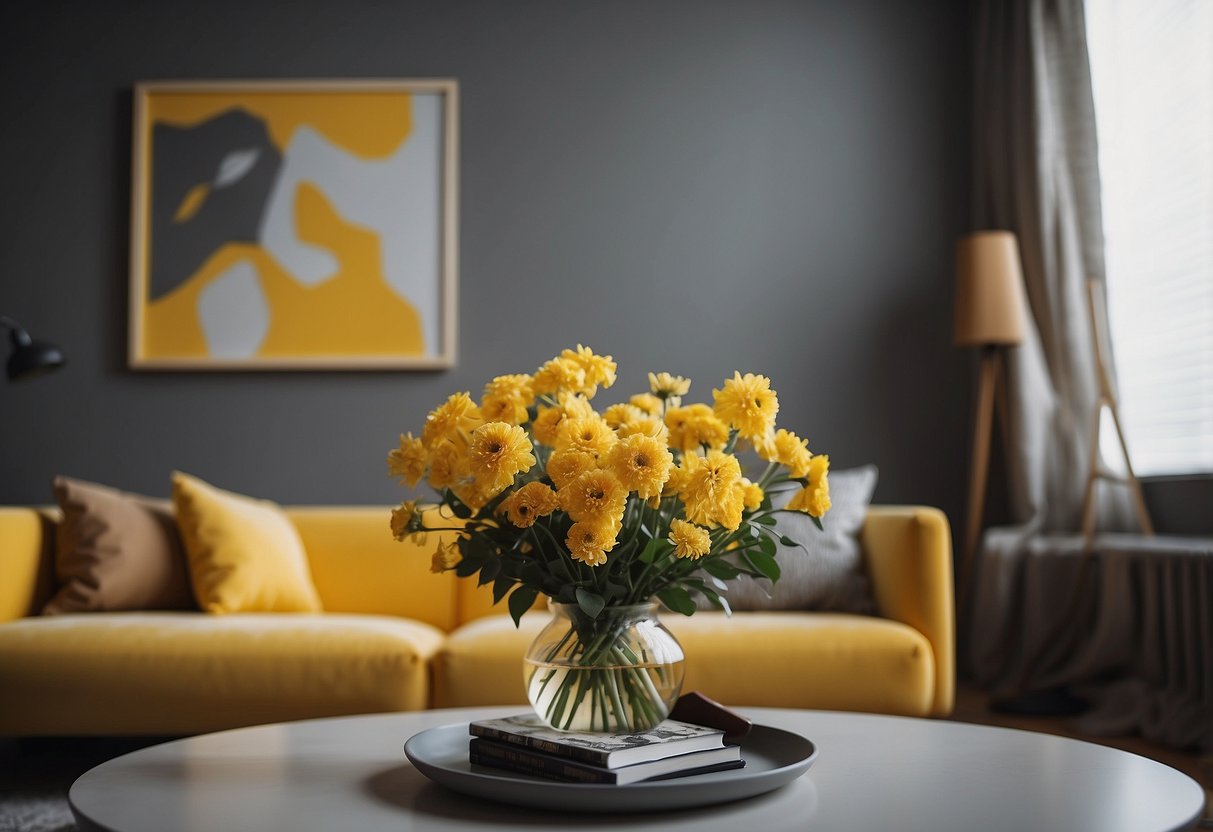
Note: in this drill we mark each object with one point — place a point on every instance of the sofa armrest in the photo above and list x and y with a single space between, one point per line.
26 561
908 551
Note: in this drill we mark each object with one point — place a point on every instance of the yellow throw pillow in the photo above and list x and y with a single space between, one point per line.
244 554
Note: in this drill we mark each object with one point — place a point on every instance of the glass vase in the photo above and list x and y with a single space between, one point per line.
617 673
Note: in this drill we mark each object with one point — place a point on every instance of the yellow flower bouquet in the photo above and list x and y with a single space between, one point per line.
602 512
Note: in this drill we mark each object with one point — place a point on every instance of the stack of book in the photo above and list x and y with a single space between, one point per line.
525 745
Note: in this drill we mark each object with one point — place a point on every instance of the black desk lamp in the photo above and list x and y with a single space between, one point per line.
29 358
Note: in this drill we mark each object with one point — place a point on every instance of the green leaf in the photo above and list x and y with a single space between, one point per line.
764 519
591 603
721 569
767 547
616 590
716 599
817 522
787 541
677 599
489 572
501 586
765 564
521 600
467 567
650 551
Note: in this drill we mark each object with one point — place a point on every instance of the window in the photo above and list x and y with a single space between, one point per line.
1152 73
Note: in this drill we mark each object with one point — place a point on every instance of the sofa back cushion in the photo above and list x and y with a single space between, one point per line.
244 554
358 567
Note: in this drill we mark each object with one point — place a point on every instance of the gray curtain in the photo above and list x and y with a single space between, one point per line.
1036 173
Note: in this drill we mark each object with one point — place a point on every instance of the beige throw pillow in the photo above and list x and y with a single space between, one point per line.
116 551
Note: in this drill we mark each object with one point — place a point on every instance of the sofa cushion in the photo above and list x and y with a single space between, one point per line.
116 551
180 673
833 661
245 555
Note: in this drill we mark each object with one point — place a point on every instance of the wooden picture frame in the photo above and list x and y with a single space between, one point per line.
294 225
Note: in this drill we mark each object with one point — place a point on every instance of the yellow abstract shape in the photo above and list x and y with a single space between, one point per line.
371 125
171 326
353 314
192 202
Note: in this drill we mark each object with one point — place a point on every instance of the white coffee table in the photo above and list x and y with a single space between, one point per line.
871 773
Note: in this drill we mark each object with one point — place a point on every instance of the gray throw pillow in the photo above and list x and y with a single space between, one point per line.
829 576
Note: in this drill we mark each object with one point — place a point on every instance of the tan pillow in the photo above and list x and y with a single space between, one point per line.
244 554
116 551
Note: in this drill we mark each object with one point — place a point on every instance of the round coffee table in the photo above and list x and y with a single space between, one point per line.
872 772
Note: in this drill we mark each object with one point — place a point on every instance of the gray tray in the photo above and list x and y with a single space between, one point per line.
773 758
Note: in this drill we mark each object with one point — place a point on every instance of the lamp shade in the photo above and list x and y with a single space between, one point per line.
990 305
29 358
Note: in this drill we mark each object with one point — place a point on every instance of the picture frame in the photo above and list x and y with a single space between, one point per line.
294 225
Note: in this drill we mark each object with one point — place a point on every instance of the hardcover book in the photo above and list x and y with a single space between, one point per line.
668 739
525 760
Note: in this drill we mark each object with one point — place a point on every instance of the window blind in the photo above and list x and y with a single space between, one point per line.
1152 76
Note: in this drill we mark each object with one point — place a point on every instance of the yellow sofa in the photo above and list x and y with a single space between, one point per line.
396 637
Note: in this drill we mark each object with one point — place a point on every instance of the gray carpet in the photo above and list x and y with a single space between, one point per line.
35 775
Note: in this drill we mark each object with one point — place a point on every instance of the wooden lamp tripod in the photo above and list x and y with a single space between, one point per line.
990 314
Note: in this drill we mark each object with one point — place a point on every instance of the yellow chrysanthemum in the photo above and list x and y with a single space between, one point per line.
446 557
558 374
696 426
792 451
589 542
669 388
751 494
546 426
498 453
566 466
710 493
403 517
618 415
814 498
448 465
517 385
645 426
677 480
647 402
529 503
588 434
690 541
452 419
504 409
472 495
595 497
747 403
642 464
506 399
408 462
599 370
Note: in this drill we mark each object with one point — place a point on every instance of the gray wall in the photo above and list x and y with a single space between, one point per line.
690 186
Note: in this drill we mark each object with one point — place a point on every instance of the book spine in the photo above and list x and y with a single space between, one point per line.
552 768
584 755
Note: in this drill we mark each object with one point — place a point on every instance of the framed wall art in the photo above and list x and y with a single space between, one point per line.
294 225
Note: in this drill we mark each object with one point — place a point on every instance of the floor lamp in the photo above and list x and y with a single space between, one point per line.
990 315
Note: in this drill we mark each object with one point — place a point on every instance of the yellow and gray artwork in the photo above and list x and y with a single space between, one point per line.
288 225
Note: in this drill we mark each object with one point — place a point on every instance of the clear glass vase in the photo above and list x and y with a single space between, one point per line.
617 673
